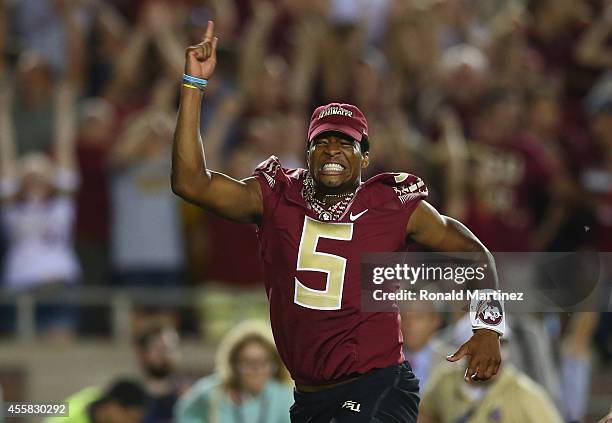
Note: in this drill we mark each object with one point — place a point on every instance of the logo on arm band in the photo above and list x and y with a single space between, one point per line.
487 311
490 312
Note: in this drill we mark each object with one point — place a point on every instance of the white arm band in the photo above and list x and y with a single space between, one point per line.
487 311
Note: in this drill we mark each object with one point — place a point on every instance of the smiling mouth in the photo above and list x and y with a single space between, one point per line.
332 169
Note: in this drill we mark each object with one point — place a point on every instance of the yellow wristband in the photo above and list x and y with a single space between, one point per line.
192 86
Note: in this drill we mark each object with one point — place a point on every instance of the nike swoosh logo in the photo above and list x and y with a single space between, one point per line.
354 217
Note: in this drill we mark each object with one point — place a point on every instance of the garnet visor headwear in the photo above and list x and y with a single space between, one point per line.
338 117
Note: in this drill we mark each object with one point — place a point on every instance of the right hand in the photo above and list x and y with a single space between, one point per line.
201 59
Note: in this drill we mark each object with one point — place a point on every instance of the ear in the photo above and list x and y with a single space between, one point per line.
365 162
309 150
308 147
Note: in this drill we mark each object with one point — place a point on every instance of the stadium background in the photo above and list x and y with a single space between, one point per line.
503 107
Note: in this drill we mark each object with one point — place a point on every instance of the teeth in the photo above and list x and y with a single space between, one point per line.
333 167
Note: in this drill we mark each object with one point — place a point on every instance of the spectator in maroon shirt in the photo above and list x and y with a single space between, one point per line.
94 142
597 178
555 33
511 175
568 151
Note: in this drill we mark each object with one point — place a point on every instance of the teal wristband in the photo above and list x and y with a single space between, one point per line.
195 82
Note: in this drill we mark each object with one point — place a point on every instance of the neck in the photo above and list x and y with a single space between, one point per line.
158 387
249 393
334 192
331 199
322 194
238 395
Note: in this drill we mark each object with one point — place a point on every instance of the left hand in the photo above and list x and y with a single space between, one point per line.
485 357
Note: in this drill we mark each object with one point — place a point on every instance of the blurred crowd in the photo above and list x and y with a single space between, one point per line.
248 381
504 108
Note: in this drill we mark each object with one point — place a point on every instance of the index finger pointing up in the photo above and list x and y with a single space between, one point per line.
210 32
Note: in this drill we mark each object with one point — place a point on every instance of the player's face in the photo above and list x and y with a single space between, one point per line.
336 162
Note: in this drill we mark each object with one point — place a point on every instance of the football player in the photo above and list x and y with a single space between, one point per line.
313 225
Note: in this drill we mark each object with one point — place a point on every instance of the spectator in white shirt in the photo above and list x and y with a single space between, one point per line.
37 208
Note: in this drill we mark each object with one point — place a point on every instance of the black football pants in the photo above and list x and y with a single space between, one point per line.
389 395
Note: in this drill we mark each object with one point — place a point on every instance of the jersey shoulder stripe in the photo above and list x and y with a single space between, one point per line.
405 187
409 187
268 169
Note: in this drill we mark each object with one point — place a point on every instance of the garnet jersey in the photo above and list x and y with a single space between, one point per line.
312 273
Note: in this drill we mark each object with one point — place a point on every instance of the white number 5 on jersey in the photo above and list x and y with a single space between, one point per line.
309 259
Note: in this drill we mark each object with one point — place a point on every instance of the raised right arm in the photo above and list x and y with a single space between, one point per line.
220 194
